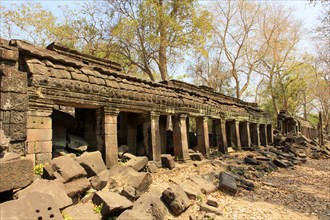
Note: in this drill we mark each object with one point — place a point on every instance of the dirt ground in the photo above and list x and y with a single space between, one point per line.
300 192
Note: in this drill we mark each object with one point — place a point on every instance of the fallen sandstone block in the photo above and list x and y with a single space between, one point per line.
34 205
92 162
52 187
16 173
68 168
81 211
176 199
227 183
99 181
168 161
140 181
113 203
137 163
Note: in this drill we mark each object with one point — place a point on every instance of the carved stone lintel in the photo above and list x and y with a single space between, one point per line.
111 111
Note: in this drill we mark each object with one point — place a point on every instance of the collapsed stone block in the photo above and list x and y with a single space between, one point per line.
140 181
196 156
81 211
150 205
92 162
188 187
77 187
113 203
99 181
129 192
205 186
137 163
212 202
133 215
176 199
152 167
227 182
34 205
54 188
207 208
168 161
67 168
16 173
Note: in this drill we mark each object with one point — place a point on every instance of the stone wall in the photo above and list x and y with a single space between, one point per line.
35 81
14 98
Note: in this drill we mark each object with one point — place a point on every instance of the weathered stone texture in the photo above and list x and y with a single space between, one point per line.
227 182
8 53
176 199
13 101
16 174
33 206
67 168
52 187
92 162
113 203
137 163
81 211
13 81
77 187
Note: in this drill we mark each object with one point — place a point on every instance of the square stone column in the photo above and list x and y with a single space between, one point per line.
238 137
270 133
255 136
110 136
203 143
223 135
180 139
155 136
39 135
263 134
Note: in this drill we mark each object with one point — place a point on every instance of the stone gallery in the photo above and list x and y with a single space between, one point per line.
68 119
56 97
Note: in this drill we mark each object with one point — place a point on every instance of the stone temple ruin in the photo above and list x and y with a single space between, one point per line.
109 108
54 97
55 101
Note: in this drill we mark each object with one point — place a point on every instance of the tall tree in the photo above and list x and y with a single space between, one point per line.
153 34
235 33
281 33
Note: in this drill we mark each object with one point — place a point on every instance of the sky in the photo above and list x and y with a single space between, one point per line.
304 11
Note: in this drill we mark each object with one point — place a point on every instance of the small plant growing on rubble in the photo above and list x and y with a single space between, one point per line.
66 216
38 169
199 199
98 208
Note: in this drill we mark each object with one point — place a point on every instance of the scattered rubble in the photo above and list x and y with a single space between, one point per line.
82 187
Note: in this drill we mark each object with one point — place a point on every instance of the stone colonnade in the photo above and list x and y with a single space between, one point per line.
224 133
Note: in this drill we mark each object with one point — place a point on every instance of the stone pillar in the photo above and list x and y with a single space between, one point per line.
110 136
39 135
255 138
270 133
263 134
131 132
224 147
238 137
180 139
245 134
203 143
162 132
155 136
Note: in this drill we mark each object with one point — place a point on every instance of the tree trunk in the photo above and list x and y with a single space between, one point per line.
162 44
